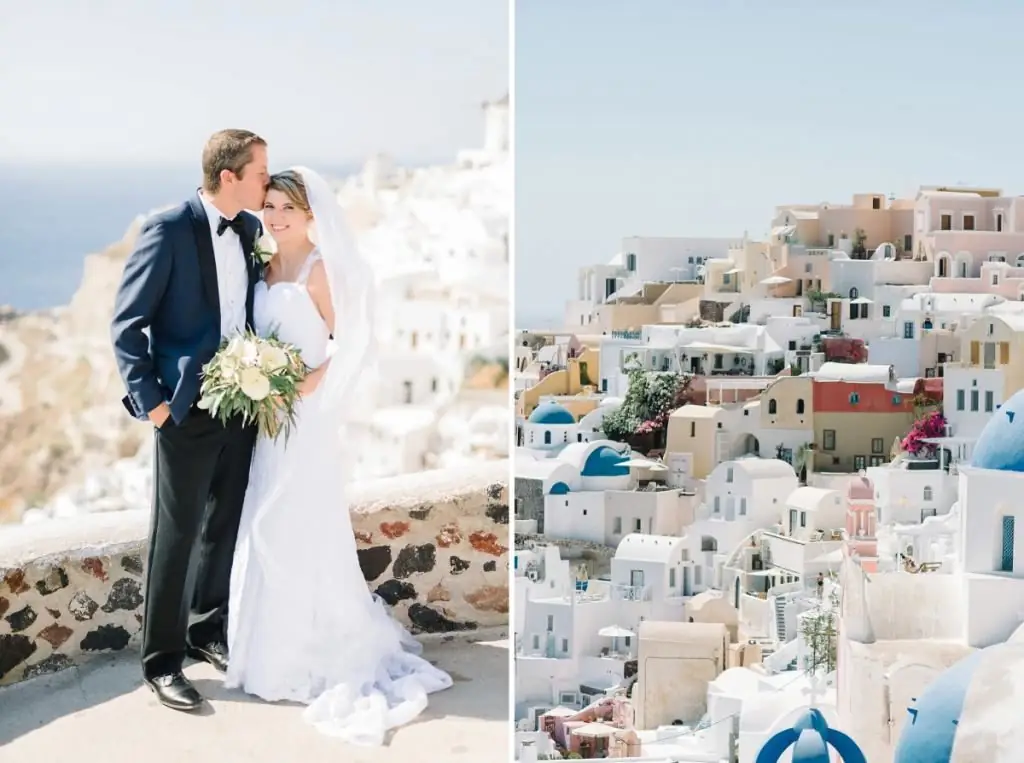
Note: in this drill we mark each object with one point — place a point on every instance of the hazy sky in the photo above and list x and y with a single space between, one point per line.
126 81
663 117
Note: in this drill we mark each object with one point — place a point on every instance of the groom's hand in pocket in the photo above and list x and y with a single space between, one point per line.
159 415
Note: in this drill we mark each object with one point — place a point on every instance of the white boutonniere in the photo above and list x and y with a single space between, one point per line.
264 248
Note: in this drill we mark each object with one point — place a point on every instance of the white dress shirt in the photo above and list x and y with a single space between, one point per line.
232 275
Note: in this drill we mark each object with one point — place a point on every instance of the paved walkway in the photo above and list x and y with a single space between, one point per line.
101 713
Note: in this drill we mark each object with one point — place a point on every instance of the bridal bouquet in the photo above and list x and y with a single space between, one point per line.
257 378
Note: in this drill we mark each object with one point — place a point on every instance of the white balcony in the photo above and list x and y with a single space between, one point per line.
794 555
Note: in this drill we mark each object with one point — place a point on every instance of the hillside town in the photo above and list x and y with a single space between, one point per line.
743 478
436 396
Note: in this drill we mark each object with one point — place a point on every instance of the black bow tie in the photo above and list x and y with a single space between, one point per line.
237 225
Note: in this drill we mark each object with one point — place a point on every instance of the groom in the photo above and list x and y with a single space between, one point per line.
187 285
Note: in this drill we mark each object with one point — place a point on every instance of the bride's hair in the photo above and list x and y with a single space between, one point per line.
290 184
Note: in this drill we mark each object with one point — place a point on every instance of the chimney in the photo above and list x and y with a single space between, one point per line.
528 753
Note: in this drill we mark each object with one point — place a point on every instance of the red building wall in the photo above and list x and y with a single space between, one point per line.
834 397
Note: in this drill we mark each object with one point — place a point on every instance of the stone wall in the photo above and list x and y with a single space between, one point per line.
596 556
530 500
433 545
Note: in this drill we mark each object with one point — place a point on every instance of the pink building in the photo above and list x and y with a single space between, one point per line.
974 237
860 523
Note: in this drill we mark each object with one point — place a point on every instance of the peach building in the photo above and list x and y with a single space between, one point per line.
828 226
654 303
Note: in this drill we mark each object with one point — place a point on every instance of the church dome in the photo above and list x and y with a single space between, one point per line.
970 712
1001 443
810 740
551 413
605 462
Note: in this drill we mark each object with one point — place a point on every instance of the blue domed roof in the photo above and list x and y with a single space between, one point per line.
1001 443
810 739
605 462
928 735
551 413
559 488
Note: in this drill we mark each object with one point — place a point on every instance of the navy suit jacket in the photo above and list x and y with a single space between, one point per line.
166 323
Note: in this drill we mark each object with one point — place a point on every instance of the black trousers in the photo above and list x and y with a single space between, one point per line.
200 474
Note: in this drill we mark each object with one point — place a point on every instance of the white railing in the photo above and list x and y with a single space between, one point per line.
754 616
787 553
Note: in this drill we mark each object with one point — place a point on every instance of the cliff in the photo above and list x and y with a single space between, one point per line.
60 412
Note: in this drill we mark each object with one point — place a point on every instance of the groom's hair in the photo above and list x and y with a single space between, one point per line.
227 150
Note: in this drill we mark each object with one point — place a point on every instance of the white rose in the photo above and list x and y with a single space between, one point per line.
254 384
266 247
250 354
273 358
235 348
228 368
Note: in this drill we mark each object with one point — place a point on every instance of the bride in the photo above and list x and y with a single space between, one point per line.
303 626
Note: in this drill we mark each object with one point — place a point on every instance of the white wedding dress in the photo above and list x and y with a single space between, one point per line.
303 625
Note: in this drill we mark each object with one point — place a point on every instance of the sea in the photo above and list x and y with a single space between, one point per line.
52 216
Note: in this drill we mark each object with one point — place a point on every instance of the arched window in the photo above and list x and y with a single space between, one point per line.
772 407
800 405
928 493
547 437
854 293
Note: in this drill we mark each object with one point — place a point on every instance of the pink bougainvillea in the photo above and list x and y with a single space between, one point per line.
928 426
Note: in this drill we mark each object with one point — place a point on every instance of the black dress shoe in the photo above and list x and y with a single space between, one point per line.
174 691
215 653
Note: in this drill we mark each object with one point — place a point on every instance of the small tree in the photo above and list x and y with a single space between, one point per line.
820 630
859 248
925 403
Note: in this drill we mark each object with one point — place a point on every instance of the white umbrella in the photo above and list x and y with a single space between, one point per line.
642 463
775 280
615 631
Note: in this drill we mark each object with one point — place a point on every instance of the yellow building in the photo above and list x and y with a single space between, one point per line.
995 342
577 378
787 404
694 429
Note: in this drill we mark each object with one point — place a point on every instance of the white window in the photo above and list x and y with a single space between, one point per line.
617 526
718 504
743 507
551 622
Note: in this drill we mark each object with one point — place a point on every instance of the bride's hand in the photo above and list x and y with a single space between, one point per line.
309 384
